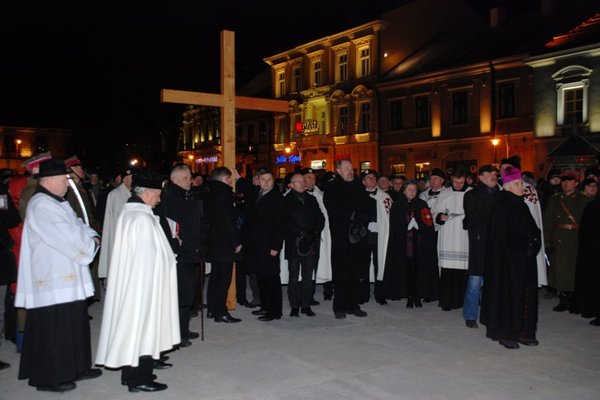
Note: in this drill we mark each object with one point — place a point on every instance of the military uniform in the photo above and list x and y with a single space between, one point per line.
561 232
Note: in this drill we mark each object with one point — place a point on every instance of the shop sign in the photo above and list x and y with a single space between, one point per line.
207 159
396 158
318 164
291 159
310 126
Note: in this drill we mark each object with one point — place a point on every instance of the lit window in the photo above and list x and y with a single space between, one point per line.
365 61
317 73
572 95
343 67
297 79
281 84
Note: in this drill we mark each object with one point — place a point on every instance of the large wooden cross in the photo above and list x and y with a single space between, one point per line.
226 100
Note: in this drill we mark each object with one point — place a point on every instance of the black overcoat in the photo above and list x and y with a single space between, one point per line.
223 237
263 231
424 250
303 218
587 278
187 210
344 202
511 274
478 204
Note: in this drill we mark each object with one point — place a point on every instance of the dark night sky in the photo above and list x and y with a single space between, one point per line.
99 65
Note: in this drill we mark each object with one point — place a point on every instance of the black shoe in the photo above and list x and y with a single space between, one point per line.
471 323
595 322
228 319
4 365
252 304
509 344
357 313
163 358
327 297
339 315
446 309
259 312
528 342
426 300
125 383
563 305
308 312
418 303
383 302
313 302
193 335
161 365
295 312
185 343
150 387
194 314
90 374
410 303
61 387
268 317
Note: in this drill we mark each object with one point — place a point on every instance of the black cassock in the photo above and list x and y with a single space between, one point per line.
587 278
396 275
509 296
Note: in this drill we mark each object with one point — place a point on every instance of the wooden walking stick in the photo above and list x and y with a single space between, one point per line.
202 300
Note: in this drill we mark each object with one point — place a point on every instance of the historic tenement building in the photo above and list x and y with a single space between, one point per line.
19 143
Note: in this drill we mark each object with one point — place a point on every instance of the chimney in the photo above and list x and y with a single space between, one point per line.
549 6
497 16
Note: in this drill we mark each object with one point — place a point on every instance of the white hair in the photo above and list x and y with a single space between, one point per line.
179 168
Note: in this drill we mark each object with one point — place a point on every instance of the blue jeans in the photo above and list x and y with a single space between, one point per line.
471 302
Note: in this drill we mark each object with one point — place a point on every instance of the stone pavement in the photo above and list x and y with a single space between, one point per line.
394 353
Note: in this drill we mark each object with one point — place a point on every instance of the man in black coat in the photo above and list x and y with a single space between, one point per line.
187 233
305 221
263 233
478 204
224 243
343 201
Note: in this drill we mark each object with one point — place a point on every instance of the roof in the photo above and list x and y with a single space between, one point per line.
574 146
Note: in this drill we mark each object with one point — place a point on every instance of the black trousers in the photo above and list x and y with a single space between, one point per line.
187 276
242 275
140 375
300 293
453 283
367 249
345 270
269 286
218 284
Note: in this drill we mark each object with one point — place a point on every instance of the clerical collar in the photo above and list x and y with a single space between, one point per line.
374 191
135 199
433 192
41 189
310 190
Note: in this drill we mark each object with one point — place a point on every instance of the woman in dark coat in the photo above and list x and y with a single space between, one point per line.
410 269
509 298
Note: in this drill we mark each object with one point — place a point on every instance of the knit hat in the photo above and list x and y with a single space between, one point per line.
510 173
437 172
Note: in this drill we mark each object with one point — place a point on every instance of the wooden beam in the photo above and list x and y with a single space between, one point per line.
253 103
228 95
194 98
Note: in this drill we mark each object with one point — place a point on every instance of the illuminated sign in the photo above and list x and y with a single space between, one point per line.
310 126
318 164
291 159
208 159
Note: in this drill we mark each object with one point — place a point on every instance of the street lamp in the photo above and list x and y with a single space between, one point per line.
495 142
18 142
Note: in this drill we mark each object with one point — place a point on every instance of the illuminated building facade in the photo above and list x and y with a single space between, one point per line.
19 143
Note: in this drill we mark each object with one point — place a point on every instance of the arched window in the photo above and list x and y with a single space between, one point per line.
572 84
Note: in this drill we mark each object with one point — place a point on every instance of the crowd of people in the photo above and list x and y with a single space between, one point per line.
485 244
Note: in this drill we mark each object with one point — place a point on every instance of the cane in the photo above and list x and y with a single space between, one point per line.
202 300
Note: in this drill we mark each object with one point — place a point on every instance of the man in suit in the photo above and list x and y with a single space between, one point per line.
263 234
224 243
305 221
